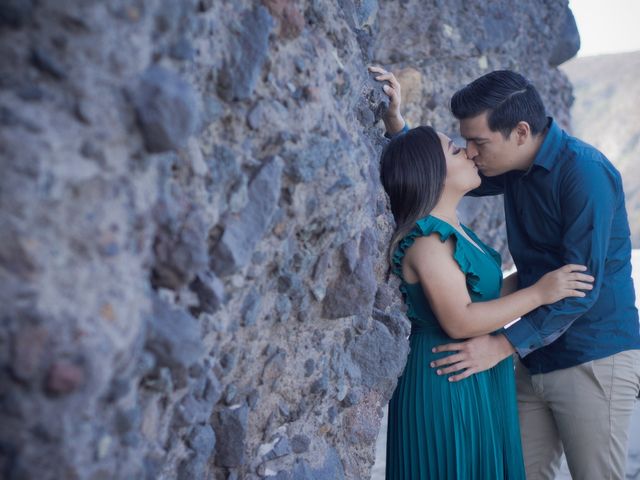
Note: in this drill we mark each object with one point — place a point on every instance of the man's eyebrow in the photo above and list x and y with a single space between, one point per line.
475 139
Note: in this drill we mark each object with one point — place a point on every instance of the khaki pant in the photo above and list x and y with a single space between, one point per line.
584 410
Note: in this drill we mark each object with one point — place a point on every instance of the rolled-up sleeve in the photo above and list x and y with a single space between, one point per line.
589 194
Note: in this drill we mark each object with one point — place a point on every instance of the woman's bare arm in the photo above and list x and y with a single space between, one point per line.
431 262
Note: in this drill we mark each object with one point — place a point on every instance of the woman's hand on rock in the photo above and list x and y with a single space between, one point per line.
392 119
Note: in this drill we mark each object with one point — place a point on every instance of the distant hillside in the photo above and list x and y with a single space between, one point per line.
606 114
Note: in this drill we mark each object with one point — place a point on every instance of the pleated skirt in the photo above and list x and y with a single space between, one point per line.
443 430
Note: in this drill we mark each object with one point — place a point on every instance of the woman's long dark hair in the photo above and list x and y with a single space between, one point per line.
412 170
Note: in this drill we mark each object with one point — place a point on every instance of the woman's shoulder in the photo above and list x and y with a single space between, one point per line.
430 224
422 232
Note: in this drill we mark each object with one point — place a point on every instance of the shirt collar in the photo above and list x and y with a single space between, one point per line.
546 156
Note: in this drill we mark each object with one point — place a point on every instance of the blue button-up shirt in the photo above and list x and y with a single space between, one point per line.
568 207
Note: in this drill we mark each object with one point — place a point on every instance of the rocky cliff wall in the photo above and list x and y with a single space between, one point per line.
192 230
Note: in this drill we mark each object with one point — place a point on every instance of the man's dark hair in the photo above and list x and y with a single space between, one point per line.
507 97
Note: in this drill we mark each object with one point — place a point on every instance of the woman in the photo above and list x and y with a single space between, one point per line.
452 285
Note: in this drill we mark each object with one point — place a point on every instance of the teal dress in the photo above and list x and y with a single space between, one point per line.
441 430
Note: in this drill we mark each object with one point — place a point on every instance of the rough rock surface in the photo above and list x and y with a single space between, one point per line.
192 229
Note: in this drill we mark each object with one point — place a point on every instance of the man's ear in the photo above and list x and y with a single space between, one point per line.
522 132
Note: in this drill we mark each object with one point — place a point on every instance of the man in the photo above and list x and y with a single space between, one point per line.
580 358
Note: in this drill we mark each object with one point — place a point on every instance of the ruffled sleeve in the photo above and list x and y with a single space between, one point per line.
426 226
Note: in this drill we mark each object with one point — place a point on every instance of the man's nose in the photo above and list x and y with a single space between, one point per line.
472 151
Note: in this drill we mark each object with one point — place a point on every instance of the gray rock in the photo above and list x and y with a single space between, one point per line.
361 323
210 291
284 409
366 11
191 411
182 49
168 14
342 183
166 108
281 475
320 386
302 470
230 394
202 440
13 255
146 363
280 449
91 150
212 110
303 165
45 62
300 443
380 356
247 52
332 412
181 253
196 371
498 28
251 308
15 13
568 42
385 296
350 254
231 425
309 366
191 468
213 390
267 113
64 377
283 308
28 352
253 398
394 320
224 165
291 283
161 382
331 468
127 420
354 293
118 388
352 398
30 93
228 361
173 336
243 232
273 368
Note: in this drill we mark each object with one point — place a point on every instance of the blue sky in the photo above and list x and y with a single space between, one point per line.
607 26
